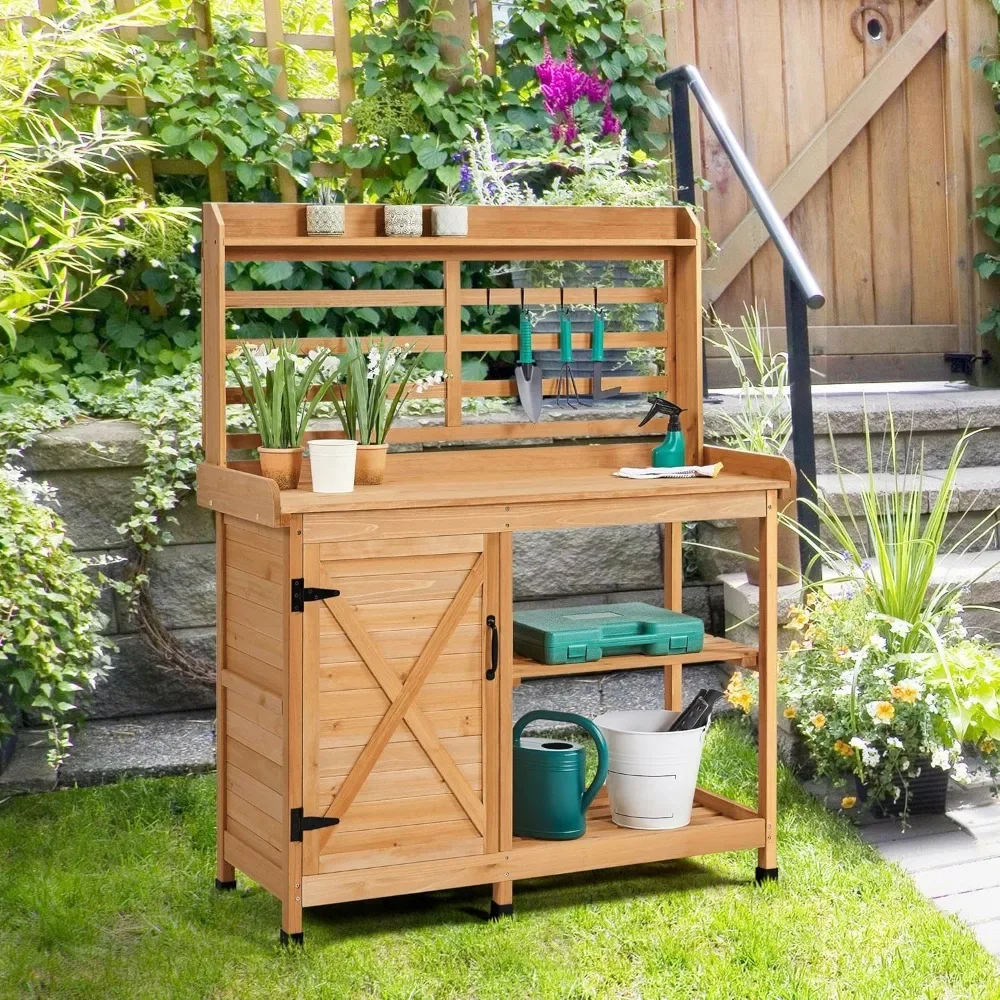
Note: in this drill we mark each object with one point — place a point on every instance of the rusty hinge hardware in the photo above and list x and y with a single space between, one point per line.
301 593
302 823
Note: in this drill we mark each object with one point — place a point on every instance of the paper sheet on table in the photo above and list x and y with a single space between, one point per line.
678 472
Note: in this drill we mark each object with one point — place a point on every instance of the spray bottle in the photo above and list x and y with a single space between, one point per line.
670 454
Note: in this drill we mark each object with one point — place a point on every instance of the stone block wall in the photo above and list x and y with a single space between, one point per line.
92 465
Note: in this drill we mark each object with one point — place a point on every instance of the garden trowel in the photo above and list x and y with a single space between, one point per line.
527 372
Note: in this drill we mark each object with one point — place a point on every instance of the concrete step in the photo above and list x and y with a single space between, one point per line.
930 416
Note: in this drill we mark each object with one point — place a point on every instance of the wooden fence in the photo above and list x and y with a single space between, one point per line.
863 119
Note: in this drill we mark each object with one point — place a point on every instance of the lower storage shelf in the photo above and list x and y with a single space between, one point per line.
714 649
717 825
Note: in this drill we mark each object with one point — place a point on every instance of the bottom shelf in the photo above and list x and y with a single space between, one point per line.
717 824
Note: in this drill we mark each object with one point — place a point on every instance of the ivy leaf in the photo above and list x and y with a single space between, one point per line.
203 151
273 272
357 157
429 153
415 179
234 144
378 44
174 135
24 678
247 174
449 175
533 18
430 91
424 64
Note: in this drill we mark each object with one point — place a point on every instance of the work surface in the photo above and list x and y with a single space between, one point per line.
479 485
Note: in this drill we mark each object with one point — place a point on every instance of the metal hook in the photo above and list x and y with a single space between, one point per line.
488 313
562 298
522 300
595 298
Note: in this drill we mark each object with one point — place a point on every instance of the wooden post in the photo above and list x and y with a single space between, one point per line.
673 591
453 342
225 873
686 340
217 188
484 27
136 105
213 336
275 34
767 699
503 891
456 35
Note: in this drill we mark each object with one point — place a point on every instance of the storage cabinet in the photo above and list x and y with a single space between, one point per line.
365 660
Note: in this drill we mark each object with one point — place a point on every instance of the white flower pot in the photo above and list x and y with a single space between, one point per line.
403 220
332 461
325 220
450 220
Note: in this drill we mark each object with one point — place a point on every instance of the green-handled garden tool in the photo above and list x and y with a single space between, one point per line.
566 383
528 373
597 391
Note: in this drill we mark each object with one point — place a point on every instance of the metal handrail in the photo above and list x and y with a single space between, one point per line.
689 77
802 291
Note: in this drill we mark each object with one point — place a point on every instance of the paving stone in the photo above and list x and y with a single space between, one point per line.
182 585
638 689
943 849
139 684
581 695
28 771
88 444
586 561
962 877
93 504
151 746
989 936
975 907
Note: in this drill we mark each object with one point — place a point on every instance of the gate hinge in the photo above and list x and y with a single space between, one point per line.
301 593
962 364
302 823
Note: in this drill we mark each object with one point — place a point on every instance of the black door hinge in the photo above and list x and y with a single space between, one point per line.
302 823
962 364
301 593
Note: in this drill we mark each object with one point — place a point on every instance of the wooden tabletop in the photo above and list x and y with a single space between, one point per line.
479 485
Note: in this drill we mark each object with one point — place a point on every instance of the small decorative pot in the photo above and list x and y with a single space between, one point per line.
325 220
283 465
332 461
450 220
370 467
403 220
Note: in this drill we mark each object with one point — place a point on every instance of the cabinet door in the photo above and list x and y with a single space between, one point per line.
395 699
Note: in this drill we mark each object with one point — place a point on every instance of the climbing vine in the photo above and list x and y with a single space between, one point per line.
987 262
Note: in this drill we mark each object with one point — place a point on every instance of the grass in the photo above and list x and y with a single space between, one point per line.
109 892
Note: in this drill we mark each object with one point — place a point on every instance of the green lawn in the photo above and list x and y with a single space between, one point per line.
109 892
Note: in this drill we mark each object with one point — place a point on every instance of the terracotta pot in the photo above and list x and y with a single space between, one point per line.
788 553
370 467
325 220
283 465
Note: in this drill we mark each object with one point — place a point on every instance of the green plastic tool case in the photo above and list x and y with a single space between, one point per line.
580 635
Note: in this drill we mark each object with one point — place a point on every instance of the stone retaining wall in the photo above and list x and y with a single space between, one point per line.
92 465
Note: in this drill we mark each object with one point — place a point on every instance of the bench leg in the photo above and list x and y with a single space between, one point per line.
502 903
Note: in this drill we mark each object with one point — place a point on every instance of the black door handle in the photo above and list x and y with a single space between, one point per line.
491 624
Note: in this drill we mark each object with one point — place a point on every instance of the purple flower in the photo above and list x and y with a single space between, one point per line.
465 178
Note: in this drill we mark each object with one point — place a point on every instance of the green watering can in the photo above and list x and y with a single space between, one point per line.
550 792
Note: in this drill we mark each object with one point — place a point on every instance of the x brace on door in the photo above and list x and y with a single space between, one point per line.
401 697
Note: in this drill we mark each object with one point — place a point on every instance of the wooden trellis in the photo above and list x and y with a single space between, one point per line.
274 38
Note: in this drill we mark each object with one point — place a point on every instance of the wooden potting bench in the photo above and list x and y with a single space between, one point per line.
365 657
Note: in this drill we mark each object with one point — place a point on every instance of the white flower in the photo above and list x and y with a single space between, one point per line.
941 758
870 756
858 743
121 251
155 263
900 628
895 742
185 312
961 772
878 642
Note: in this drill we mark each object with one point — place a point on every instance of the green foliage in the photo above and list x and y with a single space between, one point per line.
367 410
987 262
762 423
276 384
893 547
51 648
605 38
63 219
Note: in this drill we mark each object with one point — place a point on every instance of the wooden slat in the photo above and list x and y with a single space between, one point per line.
266 799
384 784
431 698
256 843
376 849
401 756
274 33
265 676
266 771
255 589
135 103
394 566
255 616
213 352
393 814
335 733
263 647
404 547
454 387
336 647
381 618
251 692
253 736
767 678
351 299
268 828
259 868
673 600
263 566
253 711
355 676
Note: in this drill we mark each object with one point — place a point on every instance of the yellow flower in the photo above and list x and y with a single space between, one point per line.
843 748
798 619
841 652
818 719
791 712
881 711
794 646
988 745
742 699
906 691
735 682
810 598
848 801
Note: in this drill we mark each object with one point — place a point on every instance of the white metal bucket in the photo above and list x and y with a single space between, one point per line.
332 461
652 773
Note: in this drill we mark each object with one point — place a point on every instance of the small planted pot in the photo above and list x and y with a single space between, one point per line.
325 220
450 220
333 463
789 570
283 465
403 220
370 468
927 794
